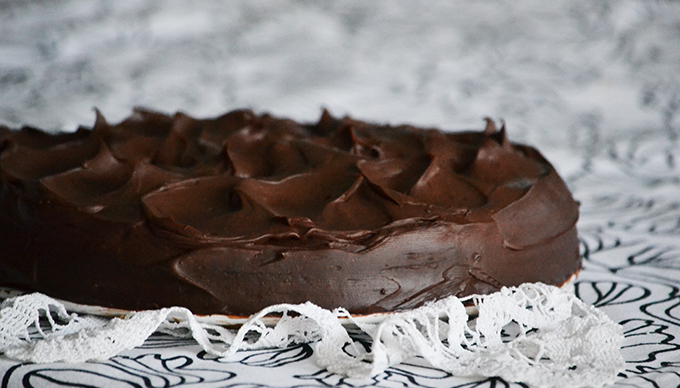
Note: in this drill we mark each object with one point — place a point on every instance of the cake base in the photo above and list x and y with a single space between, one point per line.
235 320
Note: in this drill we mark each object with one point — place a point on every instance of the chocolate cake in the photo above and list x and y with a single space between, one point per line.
232 214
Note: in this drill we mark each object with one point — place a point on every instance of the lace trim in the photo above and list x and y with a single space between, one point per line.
537 334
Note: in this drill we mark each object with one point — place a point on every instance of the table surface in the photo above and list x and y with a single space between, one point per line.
594 85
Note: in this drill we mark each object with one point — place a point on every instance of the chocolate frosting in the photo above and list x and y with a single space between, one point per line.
232 214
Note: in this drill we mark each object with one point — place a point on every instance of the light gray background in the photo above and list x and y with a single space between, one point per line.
573 75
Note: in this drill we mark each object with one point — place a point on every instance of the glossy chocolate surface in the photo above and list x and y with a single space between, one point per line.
232 214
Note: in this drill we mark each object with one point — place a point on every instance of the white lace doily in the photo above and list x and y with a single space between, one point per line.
537 334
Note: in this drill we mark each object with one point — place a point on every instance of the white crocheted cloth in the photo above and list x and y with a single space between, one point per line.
537 334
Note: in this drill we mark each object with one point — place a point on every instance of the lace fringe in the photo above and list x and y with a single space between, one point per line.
538 334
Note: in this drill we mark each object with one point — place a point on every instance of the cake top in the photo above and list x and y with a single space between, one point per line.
244 178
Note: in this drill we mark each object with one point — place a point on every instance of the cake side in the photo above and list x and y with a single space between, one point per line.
229 215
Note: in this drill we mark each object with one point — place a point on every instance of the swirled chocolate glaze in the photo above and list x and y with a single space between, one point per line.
232 214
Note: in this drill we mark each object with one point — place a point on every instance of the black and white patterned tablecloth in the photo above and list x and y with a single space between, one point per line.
595 85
